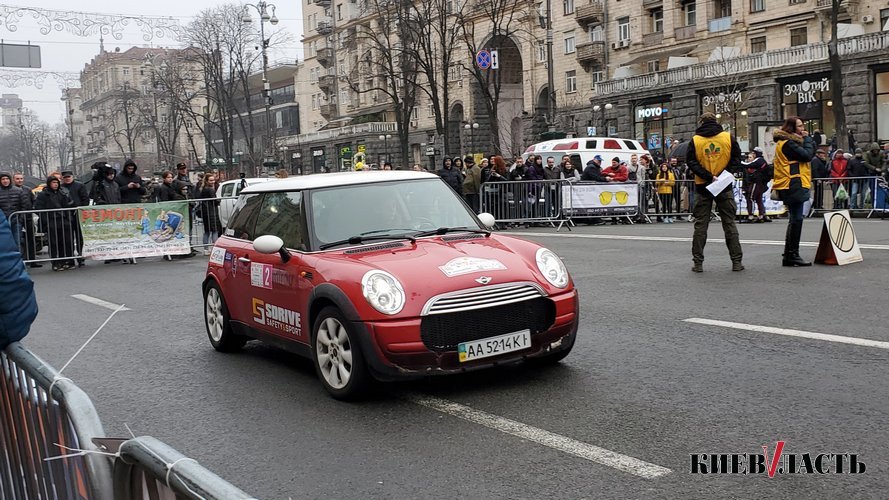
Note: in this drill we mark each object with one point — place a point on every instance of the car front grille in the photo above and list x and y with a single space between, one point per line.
443 331
482 297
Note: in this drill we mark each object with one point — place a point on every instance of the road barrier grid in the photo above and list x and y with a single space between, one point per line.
52 446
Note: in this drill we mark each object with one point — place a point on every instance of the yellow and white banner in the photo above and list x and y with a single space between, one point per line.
600 199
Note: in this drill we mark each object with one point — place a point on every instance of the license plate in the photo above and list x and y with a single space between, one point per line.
494 346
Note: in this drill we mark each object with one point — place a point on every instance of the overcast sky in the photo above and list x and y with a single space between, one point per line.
63 51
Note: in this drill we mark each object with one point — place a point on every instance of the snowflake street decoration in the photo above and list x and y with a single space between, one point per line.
87 24
36 79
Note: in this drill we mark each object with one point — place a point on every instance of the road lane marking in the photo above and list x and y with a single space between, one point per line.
791 333
672 239
99 302
551 440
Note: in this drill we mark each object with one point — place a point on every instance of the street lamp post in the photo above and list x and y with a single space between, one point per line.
600 117
385 139
471 128
263 8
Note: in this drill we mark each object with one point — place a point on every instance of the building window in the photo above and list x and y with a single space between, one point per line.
884 19
430 111
541 52
126 72
798 36
723 8
657 20
570 82
882 87
569 44
597 34
654 66
569 6
690 13
315 101
454 73
757 45
623 28
759 5
797 2
597 76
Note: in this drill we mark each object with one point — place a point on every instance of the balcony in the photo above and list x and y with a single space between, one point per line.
328 111
686 32
322 3
647 4
591 53
327 82
720 24
652 39
324 56
590 13
324 28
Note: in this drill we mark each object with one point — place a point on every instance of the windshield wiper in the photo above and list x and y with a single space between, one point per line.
445 230
357 240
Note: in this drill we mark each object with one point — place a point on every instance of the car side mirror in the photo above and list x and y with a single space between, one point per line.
269 244
487 219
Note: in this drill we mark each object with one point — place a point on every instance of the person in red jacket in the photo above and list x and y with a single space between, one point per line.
617 172
839 170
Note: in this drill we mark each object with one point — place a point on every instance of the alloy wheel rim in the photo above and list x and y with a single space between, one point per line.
214 315
334 353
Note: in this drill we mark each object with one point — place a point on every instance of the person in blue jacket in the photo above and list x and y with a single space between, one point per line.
19 306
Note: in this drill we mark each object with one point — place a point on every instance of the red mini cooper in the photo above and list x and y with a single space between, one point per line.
383 275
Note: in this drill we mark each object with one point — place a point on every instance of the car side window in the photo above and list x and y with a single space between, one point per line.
244 217
281 216
228 190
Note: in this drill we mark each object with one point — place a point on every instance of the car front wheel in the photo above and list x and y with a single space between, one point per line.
218 321
337 356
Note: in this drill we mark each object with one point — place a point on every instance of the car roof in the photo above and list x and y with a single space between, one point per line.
252 180
316 181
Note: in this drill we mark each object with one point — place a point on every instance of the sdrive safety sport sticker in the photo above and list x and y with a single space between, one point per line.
467 265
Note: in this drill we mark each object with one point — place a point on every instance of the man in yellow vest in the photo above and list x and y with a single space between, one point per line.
711 151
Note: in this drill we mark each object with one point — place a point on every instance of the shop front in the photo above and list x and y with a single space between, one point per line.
881 103
809 98
730 108
345 157
653 124
319 160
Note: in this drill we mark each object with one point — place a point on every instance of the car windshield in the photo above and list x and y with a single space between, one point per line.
386 208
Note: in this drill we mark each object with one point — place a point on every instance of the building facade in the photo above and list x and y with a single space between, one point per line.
143 104
642 69
77 129
10 111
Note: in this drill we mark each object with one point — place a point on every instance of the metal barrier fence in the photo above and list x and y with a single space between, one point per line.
41 412
54 235
871 193
51 446
524 201
679 202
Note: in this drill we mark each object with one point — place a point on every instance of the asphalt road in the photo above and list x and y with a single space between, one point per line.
641 382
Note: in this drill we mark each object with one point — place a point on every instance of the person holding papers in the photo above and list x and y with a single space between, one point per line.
713 155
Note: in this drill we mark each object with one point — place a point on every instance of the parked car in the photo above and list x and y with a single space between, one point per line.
229 191
383 275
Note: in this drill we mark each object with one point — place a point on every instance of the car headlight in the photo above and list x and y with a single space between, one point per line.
551 267
383 292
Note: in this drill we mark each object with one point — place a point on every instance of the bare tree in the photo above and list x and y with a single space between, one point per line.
387 62
437 37
487 24
725 94
836 78
124 124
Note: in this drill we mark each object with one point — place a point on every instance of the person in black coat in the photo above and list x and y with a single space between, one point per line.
820 170
58 222
593 170
81 197
166 190
451 176
105 189
210 211
131 185
793 179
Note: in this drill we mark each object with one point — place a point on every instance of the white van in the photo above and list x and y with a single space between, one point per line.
229 191
583 149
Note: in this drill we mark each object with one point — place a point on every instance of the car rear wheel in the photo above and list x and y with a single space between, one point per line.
337 356
218 321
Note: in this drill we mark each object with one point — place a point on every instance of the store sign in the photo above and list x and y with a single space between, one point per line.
655 112
722 102
805 90
318 152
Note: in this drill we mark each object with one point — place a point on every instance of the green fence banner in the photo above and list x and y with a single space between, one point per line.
137 230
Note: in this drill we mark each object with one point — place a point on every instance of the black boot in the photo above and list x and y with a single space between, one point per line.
791 256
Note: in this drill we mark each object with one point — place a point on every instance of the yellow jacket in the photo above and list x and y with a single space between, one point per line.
665 184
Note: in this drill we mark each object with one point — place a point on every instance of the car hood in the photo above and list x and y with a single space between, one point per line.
433 266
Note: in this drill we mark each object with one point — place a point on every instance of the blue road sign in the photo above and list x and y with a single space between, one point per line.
483 59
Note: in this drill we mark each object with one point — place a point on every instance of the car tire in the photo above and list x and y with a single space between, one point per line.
554 357
218 322
337 356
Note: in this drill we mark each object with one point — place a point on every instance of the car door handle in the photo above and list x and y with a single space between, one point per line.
244 260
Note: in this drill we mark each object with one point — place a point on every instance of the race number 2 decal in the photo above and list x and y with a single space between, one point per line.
261 275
